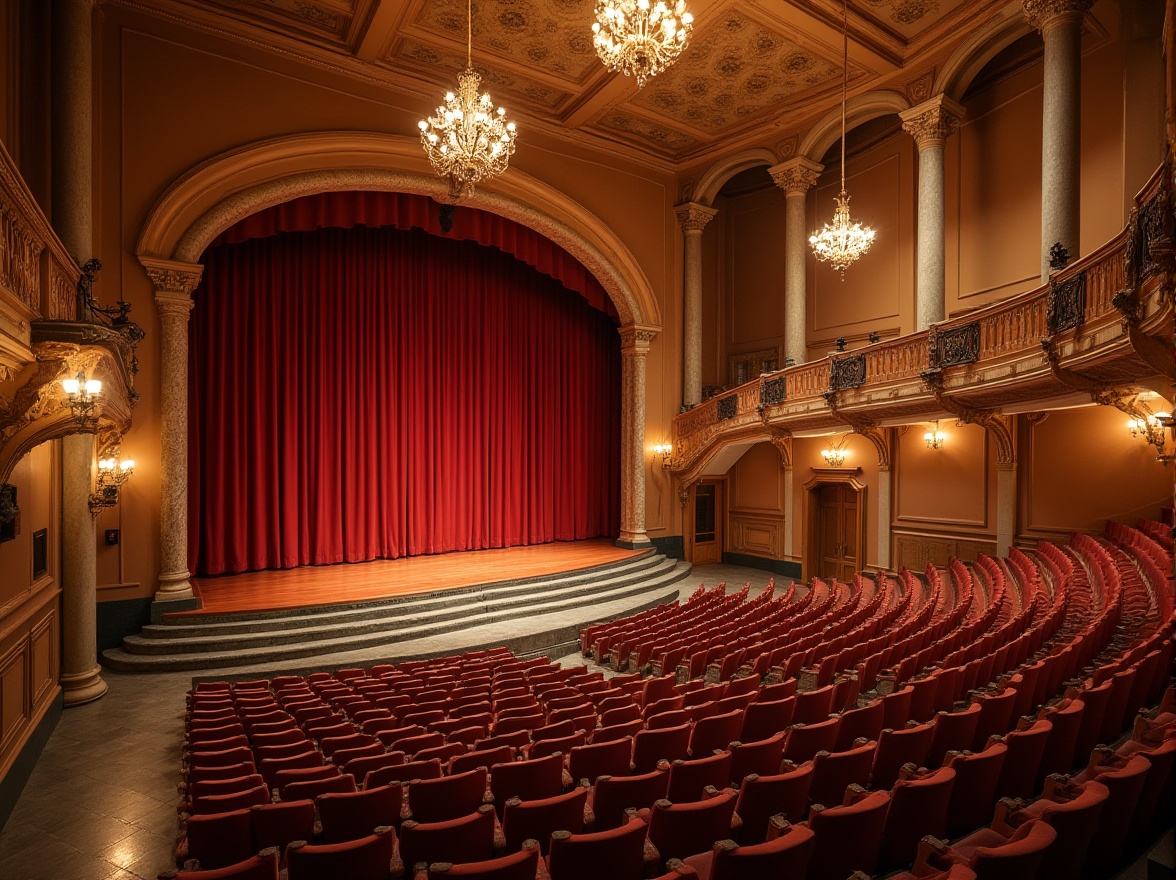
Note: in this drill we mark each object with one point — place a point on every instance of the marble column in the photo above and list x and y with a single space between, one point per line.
1006 505
174 283
931 124
796 177
635 340
692 218
72 207
1060 23
80 679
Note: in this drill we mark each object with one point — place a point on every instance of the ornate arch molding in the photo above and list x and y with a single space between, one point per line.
858 110
217 193
969 58
712 180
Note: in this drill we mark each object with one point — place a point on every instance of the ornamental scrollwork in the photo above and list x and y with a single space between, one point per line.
847 372
1065 306
772 391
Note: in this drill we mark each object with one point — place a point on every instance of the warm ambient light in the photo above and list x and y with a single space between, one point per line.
1154 430
835 455
934 438
665 450
842 242
113 472
468 140
82 396
639 38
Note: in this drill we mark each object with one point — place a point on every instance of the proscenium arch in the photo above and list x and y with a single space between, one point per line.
227 188
858 110
718 174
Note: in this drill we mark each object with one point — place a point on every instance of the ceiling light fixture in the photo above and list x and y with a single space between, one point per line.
842 242
468 140
639 38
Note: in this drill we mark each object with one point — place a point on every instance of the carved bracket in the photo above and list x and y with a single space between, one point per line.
782 440
997 424
879 437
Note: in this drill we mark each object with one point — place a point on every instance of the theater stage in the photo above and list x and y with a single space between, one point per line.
386 578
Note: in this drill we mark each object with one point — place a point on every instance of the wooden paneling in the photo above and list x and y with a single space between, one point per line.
915 551
30 635
43 655
757 535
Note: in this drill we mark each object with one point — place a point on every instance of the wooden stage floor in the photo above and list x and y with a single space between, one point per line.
385 578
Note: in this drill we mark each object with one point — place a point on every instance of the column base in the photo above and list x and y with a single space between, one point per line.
634 541
82 687
166 603
174 587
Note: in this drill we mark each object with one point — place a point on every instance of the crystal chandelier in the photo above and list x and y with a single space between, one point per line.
639 39
468 140
843 241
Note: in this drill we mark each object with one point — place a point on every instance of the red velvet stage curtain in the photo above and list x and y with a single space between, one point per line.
373 392
408 211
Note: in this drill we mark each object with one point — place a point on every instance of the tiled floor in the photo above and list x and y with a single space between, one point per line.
101 802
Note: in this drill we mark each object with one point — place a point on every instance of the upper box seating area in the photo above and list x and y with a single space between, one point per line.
1004 718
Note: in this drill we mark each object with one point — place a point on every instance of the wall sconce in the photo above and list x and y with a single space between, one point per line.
1154 429
665 450
112 474
82 396
835 455
934 438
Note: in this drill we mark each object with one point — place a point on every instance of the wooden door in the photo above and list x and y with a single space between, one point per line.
707 534
837 537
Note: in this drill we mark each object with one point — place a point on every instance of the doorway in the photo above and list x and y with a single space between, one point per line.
706 531
835 525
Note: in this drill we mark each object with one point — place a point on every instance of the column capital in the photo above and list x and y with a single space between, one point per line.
1043 14
932 122
635 338
171 275
693 217
173 304
796 176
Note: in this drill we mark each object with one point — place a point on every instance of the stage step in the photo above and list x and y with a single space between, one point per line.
208 642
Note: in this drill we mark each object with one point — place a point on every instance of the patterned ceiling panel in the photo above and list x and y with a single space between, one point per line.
443 66
629 126
329 18
552 35
908 17
733 70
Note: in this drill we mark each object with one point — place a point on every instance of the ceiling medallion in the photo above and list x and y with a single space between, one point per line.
842 242
467 140
638 38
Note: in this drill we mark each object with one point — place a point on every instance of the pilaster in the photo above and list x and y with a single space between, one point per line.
635 342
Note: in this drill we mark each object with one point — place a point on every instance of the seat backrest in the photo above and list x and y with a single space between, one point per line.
1124 784
449 797
786 856
584 856
280 824
680 830
1018 774
865 721
465 839
263 866
861 823
833 772
480 758
898 706
563 744
715 732
538 820
348 815
367 858
1075 820
762 797
220 839
762 757
763 719
600 759
611 796
898 747
1016 859
689 779
918 807
527 780
651 746
974 791
805 740
953 732
996 716
312 788
407 772
521 865
231 800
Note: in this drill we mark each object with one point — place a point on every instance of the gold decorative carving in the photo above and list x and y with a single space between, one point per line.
693 217
932 122
665 139
173 277
782 440
316 14
635 339
20 257
1039 12
999 425
796 176
919 89
907 12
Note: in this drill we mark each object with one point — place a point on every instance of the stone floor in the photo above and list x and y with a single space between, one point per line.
101 801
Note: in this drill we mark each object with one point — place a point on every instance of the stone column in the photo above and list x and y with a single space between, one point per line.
884 483
796 177
174 283
931 124
693 218
1060 23
1006 505
80 681
635 341
72 164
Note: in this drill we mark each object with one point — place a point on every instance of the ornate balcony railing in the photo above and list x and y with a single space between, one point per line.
1102 322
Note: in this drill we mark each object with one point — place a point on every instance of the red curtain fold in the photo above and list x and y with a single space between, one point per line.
407 211
374 393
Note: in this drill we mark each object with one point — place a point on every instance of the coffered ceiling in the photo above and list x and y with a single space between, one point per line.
751 70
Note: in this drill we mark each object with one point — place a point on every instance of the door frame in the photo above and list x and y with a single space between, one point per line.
720 516
810 534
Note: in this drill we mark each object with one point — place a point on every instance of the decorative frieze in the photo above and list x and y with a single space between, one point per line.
20 258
